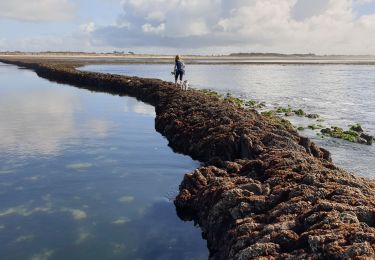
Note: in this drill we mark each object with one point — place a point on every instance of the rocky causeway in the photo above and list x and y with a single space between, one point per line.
264 191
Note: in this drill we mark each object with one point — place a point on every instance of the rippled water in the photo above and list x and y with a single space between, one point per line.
86 176
341 94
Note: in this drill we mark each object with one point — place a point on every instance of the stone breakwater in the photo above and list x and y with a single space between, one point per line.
264 191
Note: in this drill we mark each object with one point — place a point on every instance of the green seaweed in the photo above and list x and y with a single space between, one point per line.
349 137
315 127
271 115
299 112
356 128
284 110
254 104
287 124
338 132
237 101
211 93
251 103
231 99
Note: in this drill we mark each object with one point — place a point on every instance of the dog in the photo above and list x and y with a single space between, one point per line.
185 85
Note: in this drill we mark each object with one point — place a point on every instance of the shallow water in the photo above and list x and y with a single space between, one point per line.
86 176
341 94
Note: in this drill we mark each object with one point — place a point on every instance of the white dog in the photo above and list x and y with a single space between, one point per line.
185 85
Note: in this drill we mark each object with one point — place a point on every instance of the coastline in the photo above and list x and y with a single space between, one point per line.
86 59
264 191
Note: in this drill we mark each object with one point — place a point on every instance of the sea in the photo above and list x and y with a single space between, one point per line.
84 175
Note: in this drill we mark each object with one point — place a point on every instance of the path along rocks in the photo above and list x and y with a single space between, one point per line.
264 191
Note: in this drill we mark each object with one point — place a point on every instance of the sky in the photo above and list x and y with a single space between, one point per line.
189 26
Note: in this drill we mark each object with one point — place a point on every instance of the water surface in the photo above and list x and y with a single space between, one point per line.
341 94
85 176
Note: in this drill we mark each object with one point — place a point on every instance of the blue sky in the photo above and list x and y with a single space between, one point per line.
189 26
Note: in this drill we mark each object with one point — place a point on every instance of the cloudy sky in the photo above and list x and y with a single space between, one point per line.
189 26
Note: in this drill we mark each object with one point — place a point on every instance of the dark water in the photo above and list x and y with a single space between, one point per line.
85 176
341 94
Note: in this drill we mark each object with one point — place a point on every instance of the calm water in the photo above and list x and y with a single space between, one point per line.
341 94
85 176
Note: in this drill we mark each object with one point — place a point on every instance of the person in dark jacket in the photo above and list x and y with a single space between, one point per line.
179 70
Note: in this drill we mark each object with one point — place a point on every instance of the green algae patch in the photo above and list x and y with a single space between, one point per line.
211 93
234 100
289 111
315 126
356 128
254 104
354 134
250 103
285 110
271 115
299 112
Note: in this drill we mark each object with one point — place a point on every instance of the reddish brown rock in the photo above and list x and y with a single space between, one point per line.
316 212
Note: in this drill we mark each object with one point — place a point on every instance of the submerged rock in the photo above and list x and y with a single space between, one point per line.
368 138
312 116
357 128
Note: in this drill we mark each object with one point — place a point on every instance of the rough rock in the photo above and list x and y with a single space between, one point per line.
311 209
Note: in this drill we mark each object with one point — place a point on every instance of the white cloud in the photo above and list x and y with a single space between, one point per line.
304 9
37 10
77 41
88 27
141 108
149 28
97 127
327 26
41 122
201 26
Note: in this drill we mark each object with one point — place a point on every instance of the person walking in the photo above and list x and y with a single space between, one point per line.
179 70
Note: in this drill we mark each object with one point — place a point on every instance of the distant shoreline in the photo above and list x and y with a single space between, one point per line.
93 58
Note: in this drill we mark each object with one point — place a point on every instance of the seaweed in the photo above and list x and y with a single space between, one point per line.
237 101
315 127
211 93
348 135
299 112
